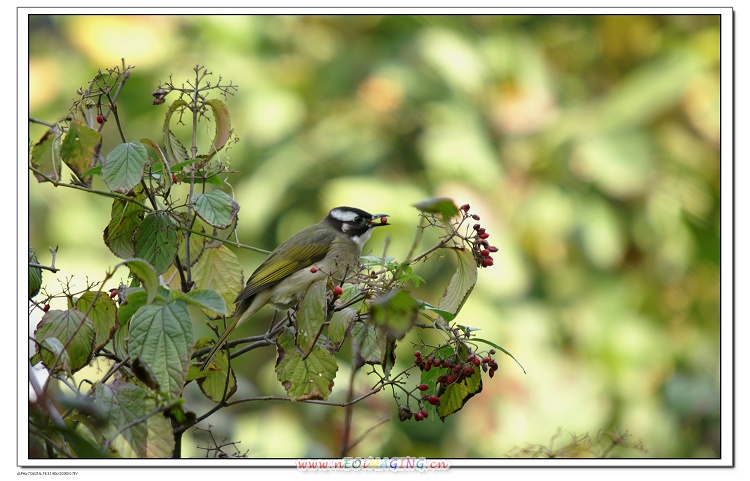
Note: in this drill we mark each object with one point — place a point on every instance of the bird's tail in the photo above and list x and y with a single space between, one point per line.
220 343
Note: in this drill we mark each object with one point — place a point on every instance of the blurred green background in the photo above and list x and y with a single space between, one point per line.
588 144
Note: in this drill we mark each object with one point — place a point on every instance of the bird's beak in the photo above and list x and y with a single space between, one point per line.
379 220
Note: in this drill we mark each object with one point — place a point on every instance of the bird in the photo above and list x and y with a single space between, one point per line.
330 248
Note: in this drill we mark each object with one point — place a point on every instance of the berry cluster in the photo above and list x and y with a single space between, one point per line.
456 370
480 245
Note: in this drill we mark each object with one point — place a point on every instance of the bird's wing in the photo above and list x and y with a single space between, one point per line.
295 257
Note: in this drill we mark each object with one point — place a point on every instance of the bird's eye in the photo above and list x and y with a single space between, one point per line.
358 219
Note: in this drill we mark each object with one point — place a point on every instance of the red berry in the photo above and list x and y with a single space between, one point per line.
468 370
465 207
424 413
418 354
174 178
418 416
475 217
485 253
486 360
423 387
477 361
313 269
477 226
45 308
384 220
428 364
481 230
450 379
100 119
434 400
492 249
486 262
483 235
492 352
338 290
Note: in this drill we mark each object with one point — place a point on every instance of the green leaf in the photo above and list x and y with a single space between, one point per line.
173 149
63 325
161 335
446 315
156 241
134 300
214 382
304 378
123 169
340 325
311 316
461 284
142 270
120 339
396 312
440 205
500 348
80 149
223 124
204 298
119 234
35 274
45 155
50 349
197 244
456 395
216 207
219 270
103 314
369 345
138 431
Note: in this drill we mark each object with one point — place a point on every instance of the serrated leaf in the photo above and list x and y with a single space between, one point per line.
369 345
197 244
161 334
340 325
461 284
80 149
304 378
311 315
216 208
123 169
103 314
214 383
133 301
156 241
45 155
35 274
63 325
162 170
50 349
223 124
147 435
120 339
125 219
219 270
146 275
173 149
396 313
440 205
206 299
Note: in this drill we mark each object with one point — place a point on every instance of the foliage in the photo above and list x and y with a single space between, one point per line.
588 143
137 408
